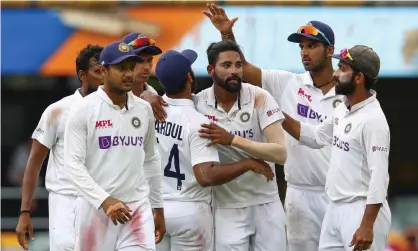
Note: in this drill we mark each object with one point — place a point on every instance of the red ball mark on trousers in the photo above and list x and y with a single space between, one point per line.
137 226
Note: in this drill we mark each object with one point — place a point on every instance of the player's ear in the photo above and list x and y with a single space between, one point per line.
330 50
210 69
359 78
189 78
103 70
81 75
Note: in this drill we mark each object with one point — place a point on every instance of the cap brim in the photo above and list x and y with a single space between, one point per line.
126 57
153 50
191 55
296 37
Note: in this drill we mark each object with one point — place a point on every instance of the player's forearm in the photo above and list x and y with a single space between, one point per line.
30 181
272 152
370 215
222 173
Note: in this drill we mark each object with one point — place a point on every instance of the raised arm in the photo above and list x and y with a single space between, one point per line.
220 20
75 147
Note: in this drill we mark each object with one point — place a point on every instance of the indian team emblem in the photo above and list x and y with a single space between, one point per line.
123 47
136 122
245 116
347 128
336 103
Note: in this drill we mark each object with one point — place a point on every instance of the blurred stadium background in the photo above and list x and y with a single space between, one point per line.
40 40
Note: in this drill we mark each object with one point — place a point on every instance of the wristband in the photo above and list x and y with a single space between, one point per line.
24 211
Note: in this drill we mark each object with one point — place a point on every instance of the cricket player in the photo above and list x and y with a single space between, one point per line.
146 48
358 216
247 210
49 136
108 140
190 164
311 98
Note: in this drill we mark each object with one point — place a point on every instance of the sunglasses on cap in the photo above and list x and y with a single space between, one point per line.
141 42
310 30
345 54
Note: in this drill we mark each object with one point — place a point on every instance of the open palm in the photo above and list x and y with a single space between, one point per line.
219 18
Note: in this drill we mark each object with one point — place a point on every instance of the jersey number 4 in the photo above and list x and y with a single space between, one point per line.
174 154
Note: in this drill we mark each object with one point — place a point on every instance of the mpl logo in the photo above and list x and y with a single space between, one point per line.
302 93
100 124
211 117
305 111
105 142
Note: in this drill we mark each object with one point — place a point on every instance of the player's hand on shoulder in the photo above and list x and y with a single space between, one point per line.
216 134
157 103
260 167
219 18
116 210
23 229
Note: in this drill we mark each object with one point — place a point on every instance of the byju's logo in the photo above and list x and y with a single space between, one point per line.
305 111
105 142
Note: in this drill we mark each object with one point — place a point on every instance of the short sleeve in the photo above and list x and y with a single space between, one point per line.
46 131
275 82
268 111
199 149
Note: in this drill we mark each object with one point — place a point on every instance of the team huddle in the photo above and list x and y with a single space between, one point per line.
129 170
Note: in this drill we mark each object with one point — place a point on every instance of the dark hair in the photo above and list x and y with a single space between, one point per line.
215 49
82 61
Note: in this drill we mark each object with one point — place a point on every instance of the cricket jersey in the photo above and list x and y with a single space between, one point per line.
181 148
107 148
50 133
360 140
254 110
298 97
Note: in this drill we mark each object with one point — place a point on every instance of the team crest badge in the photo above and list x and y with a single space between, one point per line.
336 103
347 128
136 122
123 47
245 116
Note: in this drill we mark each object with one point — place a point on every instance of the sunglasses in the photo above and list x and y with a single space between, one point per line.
141 42
310 30
346 54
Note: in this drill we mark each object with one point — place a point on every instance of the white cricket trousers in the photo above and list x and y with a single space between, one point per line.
342 220
95 231
254 228
305 208
61 222
189 227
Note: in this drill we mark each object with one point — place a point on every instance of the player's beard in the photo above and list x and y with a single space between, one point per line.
345 87
116 88
226 85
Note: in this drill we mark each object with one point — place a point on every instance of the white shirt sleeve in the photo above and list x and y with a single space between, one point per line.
268 110
199 150
152 165
75 147
46 131
275 82
376 140
317 136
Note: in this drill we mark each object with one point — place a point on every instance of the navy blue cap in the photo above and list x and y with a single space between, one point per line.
173 68
117 52
152 49
325 34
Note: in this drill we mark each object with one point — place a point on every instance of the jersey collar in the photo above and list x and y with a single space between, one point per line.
363 103
307 81
178 102
77 94
129 99
243 98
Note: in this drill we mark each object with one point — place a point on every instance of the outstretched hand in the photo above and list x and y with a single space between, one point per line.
219 18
